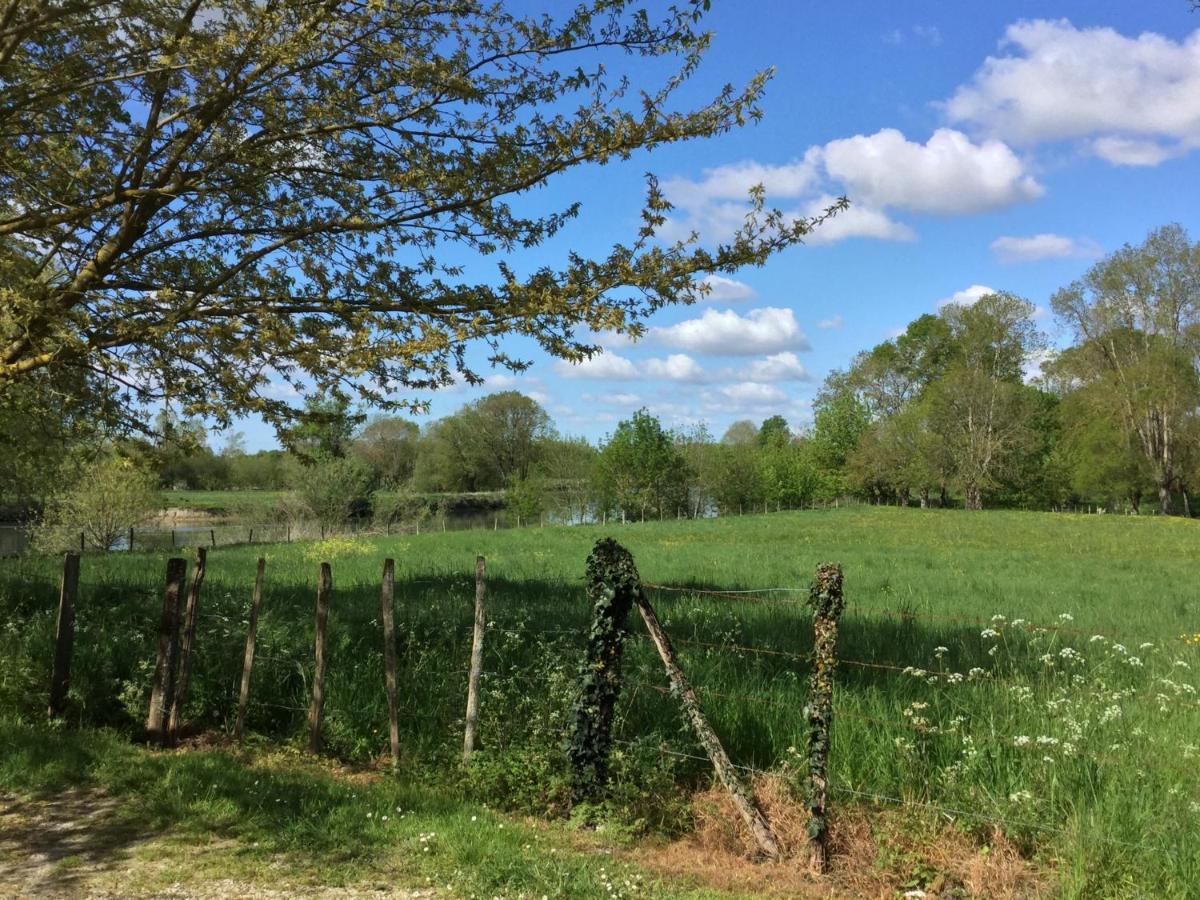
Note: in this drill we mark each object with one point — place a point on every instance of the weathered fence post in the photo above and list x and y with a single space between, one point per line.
160 688
130 550
741 795
187 643
827 604
212 536
387 613
612 584
324 588
248 656
64 635
476 659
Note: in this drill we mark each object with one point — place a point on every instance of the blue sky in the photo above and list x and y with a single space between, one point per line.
1002 146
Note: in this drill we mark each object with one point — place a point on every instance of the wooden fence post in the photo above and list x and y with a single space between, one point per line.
130 550
212 536
387 616
476 660
743 799
248 656
160 688
64 635
324 588
827 604
187 643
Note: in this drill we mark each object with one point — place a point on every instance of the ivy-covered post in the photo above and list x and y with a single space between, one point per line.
612 586
827 604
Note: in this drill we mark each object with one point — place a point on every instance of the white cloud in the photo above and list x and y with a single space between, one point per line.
734 181
949 173
608 366
777 367
726 290
832 322
967 296
1123 151
676 367
725 333
1037 247
618 399
930 34
857 221
752 395
1058 82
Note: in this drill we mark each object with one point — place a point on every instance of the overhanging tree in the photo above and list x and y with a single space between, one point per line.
201 199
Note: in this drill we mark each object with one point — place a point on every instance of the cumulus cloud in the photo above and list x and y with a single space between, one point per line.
881 173
967 296
752 395
607 366
676 367
832 322
777 367
1053 81
726 290
948 174
1038 247
857 221
725 333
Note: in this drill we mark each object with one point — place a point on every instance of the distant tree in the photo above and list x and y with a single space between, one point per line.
739 433
568 465
980 407
324 430
641 468
701 454
774 432
1136 318
387 445
738 483
840 420
896 372
101 500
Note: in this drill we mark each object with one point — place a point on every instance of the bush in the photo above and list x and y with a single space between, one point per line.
335 490
101 501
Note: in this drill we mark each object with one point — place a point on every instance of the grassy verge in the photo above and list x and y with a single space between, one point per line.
1077 739
277 819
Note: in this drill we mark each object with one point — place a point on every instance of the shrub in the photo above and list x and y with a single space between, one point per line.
101 501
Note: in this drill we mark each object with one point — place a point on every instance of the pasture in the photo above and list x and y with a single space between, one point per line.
1029 673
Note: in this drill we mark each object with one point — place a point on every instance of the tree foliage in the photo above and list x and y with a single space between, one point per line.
100 500
202 200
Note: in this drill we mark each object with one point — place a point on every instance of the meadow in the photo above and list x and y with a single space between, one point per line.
1029 673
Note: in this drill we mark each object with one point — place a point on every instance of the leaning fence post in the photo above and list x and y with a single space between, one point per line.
186 644
476 660
827 604
167 629
387 616
248 656
64 635
740 793
324 587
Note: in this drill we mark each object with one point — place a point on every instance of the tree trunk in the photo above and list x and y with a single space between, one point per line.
943 496
1164 498
1135 502
904 496
973 498
1187 503
924 498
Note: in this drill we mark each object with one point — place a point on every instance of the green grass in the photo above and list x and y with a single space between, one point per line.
241 503
294 822
1108 797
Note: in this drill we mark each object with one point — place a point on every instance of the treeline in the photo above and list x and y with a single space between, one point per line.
966 407
959 403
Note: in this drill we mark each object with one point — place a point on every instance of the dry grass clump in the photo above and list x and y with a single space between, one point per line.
874 853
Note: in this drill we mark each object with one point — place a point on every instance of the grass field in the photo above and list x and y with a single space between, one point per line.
1077 738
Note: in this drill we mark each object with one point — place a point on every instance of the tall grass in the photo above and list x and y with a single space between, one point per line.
1079 737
